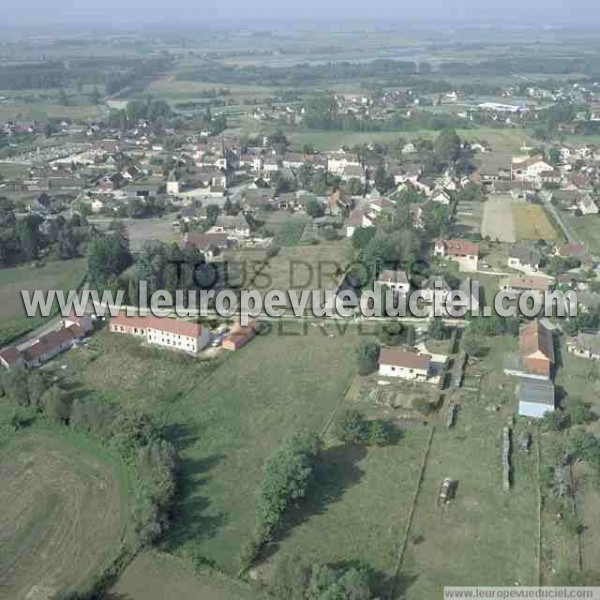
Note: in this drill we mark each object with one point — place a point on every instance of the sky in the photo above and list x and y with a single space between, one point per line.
238 13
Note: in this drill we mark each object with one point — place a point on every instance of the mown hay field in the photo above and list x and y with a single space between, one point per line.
63 514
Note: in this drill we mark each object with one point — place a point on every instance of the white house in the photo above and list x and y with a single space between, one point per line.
523 258
530 169
435 288
358 218
395 280
464 252
536 397
235 225
173 187
587 206
585 345
397 362
338 161
441 197
174 334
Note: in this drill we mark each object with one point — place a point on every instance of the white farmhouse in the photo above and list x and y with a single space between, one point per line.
397 362
395 280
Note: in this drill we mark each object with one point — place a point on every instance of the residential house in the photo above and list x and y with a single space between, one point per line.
464 252
524 258
354 172
536 397
358 218
210 244
585 345
529 169
239 336
380 205
398 362
435 288
405 173
441 197
587 205
234 225
395 280
173 184
575 250
536 348
527 283
338 161
45 205
42 349
174 334
493 167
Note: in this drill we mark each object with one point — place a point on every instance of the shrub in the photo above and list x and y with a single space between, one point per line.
368 355
286 477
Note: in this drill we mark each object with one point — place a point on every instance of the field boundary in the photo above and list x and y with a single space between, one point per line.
402 549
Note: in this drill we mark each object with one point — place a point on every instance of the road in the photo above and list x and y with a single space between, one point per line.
571 237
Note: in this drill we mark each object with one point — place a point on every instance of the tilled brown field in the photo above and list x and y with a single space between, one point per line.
62 517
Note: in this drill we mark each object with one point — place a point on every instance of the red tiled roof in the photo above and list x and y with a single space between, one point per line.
534 337
165 324
404 358
570 249
10 355
49 342
460 247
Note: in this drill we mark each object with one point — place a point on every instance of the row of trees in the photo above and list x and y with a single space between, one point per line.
286 477
297 578
137 439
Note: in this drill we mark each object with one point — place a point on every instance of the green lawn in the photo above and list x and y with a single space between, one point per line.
57 275
226 417
587 228
156 576
359 507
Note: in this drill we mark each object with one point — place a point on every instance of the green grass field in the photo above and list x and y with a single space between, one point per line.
501 140
57 275
359 508
226 417
63 512
587 229
156 576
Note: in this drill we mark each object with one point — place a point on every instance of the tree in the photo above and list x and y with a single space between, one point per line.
95 96
354 187
286 477
362 236
314 208
328 583
63 100
437 329
579 413
56 406
384 182
212 212
368 355
447 147
108 256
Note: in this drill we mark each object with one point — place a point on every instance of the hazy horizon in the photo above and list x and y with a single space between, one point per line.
267 13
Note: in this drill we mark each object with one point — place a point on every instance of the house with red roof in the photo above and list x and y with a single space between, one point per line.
239 336
174 334
398 362
36 352
464 252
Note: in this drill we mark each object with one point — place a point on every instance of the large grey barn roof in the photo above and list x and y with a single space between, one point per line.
536 391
